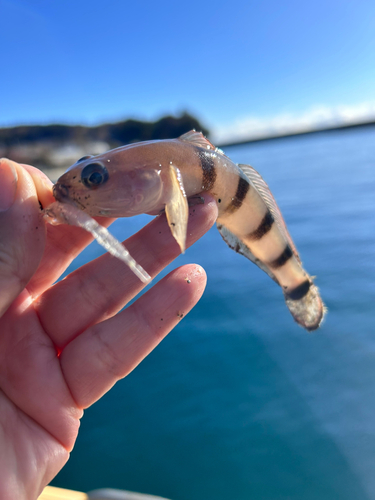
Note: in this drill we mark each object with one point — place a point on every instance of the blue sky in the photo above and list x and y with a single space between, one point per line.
237 62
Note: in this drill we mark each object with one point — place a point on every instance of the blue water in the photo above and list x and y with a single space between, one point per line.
239 402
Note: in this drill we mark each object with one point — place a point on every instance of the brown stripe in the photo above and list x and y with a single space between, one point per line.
208 169
282 259
242 189
299 292
263 227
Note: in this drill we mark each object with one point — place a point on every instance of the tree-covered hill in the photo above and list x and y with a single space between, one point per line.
51 146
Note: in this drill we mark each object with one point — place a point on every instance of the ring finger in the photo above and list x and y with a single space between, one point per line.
106 352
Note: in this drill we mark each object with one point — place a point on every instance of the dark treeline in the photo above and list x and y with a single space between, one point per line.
115 134
58 146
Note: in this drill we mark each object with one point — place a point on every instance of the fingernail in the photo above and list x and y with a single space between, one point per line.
8 185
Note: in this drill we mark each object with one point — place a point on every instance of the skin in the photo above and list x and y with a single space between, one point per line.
53 365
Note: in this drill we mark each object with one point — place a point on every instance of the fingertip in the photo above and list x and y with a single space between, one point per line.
43 185
8 184
182 289
194 277
36 172
208 210
209 200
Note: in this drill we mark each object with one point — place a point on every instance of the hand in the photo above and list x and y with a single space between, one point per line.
63 346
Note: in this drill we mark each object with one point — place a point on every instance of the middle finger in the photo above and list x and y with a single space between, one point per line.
99 289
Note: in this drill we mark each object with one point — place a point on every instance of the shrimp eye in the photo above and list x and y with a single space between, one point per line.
94 175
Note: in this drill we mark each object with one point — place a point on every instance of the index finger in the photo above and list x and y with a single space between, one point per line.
63 243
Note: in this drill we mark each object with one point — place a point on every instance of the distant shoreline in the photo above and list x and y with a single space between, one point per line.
296 134
54 154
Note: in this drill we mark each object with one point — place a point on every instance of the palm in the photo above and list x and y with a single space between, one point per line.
63 346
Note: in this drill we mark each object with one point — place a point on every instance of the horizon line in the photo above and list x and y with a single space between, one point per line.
317 130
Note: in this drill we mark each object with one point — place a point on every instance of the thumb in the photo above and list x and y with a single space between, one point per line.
22 231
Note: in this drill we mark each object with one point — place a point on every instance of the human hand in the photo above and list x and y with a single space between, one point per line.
63 346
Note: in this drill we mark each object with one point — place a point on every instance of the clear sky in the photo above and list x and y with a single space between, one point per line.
227 62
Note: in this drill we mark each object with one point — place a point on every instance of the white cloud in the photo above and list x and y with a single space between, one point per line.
253 127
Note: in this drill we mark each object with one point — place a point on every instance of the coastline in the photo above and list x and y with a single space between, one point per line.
296 133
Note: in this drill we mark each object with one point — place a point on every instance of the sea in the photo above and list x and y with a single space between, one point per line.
239 402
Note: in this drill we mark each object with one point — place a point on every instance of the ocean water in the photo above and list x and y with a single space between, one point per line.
239 402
